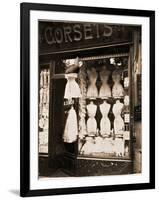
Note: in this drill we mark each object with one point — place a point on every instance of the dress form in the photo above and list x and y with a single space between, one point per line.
72 89
105 90
91 122
105 122
118 121
117 90
92 88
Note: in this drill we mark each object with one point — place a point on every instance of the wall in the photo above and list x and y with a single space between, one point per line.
9 101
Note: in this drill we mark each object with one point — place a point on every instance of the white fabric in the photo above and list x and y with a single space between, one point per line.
119 147
92 91
71 127
105 122
117 90
98 147
126 82
108 145
118 121
126 100
105 91
103 145
91 122
72 89
88 147
92 88
91 125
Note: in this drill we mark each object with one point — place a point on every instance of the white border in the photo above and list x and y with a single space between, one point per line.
67 182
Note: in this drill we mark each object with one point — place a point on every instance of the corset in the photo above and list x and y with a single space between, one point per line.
118 121
92 91
105 91
72 89
117 90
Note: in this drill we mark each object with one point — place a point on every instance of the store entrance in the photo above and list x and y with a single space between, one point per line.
91 108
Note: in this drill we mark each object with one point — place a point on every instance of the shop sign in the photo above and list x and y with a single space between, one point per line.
60 36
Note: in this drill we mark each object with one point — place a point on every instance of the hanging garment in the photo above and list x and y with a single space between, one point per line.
45 78
72 89
71 127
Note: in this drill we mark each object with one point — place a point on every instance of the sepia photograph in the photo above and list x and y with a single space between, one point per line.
87 99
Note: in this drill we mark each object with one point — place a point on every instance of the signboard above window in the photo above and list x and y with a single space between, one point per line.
61 36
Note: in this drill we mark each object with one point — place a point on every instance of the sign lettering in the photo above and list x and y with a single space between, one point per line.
76 33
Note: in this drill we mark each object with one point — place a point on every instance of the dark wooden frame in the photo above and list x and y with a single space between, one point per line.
25 95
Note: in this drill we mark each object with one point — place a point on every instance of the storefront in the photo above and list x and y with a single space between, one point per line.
89 98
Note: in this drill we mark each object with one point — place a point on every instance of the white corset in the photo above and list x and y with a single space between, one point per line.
72 89
91 122
118 121
105 91
117 90
105 125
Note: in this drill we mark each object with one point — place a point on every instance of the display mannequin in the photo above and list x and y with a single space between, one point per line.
117 90
91 122
105 90
92 91
72 89
118 121
105 122
71 127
